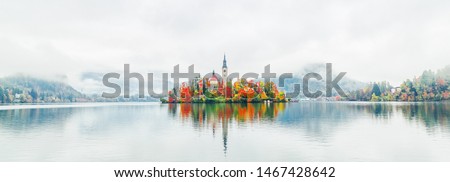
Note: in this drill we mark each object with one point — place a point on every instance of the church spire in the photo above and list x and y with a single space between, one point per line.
224 75
224 61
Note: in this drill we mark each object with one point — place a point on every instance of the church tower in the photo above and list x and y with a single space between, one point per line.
224 75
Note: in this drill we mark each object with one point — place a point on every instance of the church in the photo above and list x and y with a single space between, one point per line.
220 87
216 88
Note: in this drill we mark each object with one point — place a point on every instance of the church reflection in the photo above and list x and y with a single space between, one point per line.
219 116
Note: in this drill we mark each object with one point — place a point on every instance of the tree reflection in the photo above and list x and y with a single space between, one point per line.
220 115
314 117
432 114
23 119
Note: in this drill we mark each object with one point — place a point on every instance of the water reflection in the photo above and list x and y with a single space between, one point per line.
425 112
240 132
220 115
25 119
245 112
433 114
319 119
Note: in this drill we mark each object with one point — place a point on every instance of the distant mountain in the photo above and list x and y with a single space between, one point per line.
347 84
26 89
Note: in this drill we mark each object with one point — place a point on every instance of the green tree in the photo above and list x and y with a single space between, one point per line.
375 98
34 94
376 90
9 96
2 96
388 97
175 92
438 97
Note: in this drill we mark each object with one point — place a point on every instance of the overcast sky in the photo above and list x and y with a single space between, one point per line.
370 40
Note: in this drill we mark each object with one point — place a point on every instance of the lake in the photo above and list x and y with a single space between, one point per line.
304 131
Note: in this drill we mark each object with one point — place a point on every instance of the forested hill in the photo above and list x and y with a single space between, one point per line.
25 89
430 86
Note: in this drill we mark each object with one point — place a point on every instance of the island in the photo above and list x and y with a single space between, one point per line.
215 90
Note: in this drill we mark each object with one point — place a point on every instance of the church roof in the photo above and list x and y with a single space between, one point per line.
213 77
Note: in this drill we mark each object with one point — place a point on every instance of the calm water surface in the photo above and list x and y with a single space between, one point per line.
305 131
